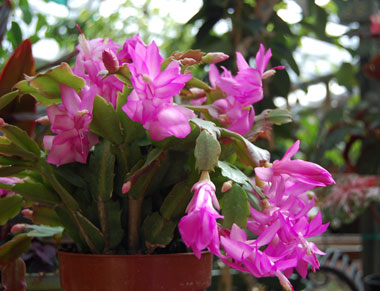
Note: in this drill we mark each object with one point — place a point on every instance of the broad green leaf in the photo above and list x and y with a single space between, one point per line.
248 153
16 34
235 207
45 215
13 275
8 98
232 173
91 234
47 84
25 88
10 171
8 149
10 206
37 192
346 75
105 121
207 151
280 116
43 230
180 144
14 248
66 197
176 201
70 225
207 125
6 186
157 231
102 165
21 139
116 231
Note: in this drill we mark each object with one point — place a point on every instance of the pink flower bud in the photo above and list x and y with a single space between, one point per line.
213 58
44 120
126 187
188 61
198 93
18 227
110 60
226 186
2 122
28 213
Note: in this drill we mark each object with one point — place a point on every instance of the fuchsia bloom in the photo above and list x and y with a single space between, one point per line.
151 101
89 63
283 225
299 175
198 228
10 181
123 55
71 122
236 111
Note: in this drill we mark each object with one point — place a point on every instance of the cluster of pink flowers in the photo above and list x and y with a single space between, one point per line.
235 110
281 228
151 101
279 231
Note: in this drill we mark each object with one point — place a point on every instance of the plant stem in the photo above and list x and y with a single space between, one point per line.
134 222
103 217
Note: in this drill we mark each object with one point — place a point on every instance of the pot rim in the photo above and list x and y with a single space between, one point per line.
78 255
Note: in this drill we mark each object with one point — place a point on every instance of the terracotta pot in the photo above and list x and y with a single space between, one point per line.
80 272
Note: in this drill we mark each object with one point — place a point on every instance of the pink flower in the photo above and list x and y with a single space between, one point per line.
151 101
71 122
375 24
235 111
123 55
232 116
89 62
199 229
10 181
245 255
304 175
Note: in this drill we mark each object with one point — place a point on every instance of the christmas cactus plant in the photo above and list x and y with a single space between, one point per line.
142 157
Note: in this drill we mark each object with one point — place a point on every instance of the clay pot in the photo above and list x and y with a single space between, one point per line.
81 272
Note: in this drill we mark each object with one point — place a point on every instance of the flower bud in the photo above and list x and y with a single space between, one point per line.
198 93
18 227
2 122
44 120
110 60
226 186
126 187
188 61
28 213
213 58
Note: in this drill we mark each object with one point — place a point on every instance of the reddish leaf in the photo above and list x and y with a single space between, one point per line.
13 275
20 110
372 69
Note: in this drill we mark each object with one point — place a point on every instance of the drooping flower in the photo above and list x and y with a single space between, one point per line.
10 181
151 101
302 174
71 122
199 229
